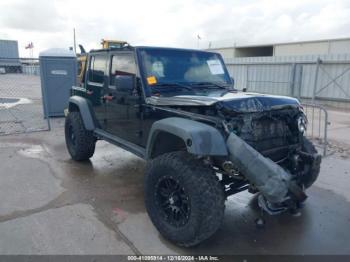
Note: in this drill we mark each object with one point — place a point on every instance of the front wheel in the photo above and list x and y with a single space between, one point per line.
80 142
184 198
311 169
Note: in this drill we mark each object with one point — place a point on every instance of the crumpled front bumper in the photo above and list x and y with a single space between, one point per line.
273 182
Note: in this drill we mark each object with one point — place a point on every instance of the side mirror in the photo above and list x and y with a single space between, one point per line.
233 82
244 89
125 83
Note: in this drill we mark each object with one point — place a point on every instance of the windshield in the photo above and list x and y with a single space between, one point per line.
183 71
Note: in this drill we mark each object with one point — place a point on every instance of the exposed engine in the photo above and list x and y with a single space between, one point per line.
277 135
272 133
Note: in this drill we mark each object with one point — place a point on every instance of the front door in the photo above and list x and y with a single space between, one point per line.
123 107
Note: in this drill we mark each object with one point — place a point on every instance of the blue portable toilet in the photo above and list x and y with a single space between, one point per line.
58 71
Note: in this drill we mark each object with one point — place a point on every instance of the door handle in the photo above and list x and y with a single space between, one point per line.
108 97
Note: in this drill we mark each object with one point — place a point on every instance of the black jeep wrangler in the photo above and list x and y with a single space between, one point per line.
202 139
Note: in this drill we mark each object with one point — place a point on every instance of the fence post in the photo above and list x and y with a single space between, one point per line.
292 80
45 97
318 62
300 77
325 139
247 77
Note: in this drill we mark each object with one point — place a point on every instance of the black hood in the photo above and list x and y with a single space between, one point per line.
232 101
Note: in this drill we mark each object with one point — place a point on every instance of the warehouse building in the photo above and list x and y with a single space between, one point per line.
309 70
9 57
8 49
316 47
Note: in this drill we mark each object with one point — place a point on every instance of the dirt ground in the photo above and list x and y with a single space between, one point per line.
53 205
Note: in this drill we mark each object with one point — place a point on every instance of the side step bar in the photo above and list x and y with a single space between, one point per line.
135 149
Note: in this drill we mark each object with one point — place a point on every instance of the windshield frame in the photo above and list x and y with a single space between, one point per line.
147 88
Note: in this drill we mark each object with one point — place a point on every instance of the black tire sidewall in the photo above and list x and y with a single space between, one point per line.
84 146
312 174
69 123
187 231
190 179
71 148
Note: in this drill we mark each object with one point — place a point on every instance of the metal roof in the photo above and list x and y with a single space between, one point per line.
282 43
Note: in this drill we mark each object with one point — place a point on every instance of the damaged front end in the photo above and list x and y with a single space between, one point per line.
269 154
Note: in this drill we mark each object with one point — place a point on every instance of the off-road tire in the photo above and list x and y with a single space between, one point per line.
205 193
83 146
312 171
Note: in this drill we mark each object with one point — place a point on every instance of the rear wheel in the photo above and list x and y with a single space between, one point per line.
184 198
80 142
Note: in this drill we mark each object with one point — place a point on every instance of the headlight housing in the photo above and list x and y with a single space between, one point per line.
302 123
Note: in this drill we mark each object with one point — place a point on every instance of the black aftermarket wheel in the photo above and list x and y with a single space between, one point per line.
172 201
184 198
80 142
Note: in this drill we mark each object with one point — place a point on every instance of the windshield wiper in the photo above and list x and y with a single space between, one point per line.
172 84
208 85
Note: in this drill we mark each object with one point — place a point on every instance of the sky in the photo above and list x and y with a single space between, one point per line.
175 23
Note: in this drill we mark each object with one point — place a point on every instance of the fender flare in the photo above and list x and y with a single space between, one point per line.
199 138
85 110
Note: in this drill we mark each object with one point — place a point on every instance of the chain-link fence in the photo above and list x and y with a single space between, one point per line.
21 103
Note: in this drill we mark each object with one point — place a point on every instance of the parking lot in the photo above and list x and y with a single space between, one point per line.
52 205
